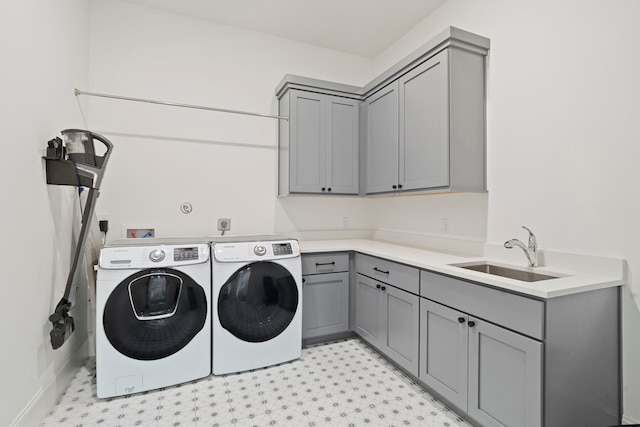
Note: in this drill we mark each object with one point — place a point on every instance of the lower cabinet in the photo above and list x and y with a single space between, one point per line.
387 317
493 374
325 298
325 306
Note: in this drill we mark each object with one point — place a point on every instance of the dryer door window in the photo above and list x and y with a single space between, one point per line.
258 301
154 313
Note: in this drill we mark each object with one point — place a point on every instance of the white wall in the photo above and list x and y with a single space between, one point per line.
563 131
224 165
44 55
561 115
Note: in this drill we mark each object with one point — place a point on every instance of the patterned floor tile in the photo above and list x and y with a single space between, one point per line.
337 384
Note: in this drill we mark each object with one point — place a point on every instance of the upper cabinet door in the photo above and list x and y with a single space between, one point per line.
424 125
307 130
341 148
382 140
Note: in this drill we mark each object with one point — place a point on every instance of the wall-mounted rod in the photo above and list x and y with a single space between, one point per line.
176 104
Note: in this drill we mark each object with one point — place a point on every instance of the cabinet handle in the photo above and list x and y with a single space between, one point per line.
329 189
377 286
472 323
394 186
383 288
323 189
380 271
460 319
325 263
304 280
399 186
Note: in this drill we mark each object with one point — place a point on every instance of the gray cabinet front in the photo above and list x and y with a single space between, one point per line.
505 376
493 374
325 298
387 313
322 145
382 140
426 130
400 315
325 306
444 351
424 125
368 320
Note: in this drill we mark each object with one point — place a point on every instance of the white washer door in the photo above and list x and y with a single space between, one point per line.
154 313
258 302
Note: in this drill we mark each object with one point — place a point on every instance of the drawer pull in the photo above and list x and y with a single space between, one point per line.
472 323
383 288
460 319
377 286
318 264
380 271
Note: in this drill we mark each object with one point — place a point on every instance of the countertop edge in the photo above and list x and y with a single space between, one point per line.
570 282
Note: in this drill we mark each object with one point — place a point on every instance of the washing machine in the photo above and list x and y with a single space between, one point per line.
257 303
153 315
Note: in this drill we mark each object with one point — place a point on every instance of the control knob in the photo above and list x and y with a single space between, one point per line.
156 255
259 250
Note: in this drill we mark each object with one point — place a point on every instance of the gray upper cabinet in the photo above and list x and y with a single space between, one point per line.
424 126
382 139
420 126
318 144
433 136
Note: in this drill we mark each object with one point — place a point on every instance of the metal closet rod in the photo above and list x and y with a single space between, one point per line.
176 104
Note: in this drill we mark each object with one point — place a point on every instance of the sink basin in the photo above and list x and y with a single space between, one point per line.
511 273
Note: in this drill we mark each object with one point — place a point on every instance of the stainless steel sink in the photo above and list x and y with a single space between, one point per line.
511 273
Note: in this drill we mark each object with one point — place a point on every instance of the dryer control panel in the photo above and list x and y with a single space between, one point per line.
255 251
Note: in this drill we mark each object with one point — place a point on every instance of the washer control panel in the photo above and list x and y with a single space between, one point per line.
253 251
186 254
122 257
282 249
156 255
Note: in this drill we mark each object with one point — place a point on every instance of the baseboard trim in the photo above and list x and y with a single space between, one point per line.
628 421
38 408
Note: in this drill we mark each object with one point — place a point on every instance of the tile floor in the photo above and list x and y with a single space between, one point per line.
343 383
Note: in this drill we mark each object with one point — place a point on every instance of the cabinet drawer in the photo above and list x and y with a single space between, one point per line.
521 314
325 263
399 275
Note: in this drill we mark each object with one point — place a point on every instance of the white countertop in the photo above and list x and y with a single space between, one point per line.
573 279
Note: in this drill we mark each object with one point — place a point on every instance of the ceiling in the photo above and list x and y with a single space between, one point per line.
360 27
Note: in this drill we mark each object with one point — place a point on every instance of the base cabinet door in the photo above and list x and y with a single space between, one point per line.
368 310
505 376
400 312
325 306
444 348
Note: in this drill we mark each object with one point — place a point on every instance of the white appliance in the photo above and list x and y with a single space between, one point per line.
153 321
257 303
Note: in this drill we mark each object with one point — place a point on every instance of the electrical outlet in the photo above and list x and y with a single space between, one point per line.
445 226
224 224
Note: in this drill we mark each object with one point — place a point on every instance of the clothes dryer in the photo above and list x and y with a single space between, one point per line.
153 315
257 303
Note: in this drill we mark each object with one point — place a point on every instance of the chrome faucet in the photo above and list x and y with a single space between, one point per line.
530 250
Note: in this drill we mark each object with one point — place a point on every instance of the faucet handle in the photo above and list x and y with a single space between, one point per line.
533 243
